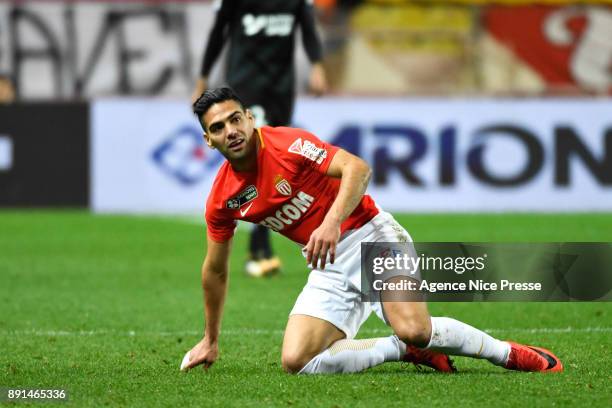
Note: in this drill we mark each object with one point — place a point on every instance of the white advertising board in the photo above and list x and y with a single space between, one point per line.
149 156
475 155
426 155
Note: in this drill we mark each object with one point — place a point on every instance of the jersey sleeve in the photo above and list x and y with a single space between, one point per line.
310 37
217 36
220 227
308 151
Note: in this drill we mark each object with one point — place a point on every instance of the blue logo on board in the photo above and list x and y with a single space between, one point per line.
185 157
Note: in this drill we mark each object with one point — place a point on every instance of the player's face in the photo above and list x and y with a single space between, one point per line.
229 129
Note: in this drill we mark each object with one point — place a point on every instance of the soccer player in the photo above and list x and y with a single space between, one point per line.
260 63
313 193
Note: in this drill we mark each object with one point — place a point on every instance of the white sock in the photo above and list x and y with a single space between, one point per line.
453 337
351 356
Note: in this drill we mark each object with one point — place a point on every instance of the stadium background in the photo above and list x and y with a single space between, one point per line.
483 121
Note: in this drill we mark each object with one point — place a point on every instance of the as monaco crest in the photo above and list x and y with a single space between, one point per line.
282 185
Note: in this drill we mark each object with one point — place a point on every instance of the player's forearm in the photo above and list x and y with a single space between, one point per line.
214 285
354 182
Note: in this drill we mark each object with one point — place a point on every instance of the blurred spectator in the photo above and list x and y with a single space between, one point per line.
335 16
7 91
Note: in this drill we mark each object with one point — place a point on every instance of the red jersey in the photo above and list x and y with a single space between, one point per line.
288 193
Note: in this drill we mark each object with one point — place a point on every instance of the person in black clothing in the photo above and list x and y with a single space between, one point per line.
260 64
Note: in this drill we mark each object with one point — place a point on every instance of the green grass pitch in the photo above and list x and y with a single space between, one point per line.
106 306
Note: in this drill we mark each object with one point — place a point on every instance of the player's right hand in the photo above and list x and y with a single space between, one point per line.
323 241
318 80
200 87
204 353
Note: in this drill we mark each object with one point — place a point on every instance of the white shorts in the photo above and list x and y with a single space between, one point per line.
333 294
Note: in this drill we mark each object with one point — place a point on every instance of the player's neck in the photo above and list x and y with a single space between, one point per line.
246 165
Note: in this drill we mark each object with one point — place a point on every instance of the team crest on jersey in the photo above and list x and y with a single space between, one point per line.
282 185
309 150
246 195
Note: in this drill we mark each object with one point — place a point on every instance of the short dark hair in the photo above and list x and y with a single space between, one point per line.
211 97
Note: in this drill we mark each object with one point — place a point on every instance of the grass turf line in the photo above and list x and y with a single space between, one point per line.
71 271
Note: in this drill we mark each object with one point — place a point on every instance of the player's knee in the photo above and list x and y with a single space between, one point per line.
293 361
414 331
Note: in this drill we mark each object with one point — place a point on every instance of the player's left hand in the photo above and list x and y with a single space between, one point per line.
323 240
318 79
